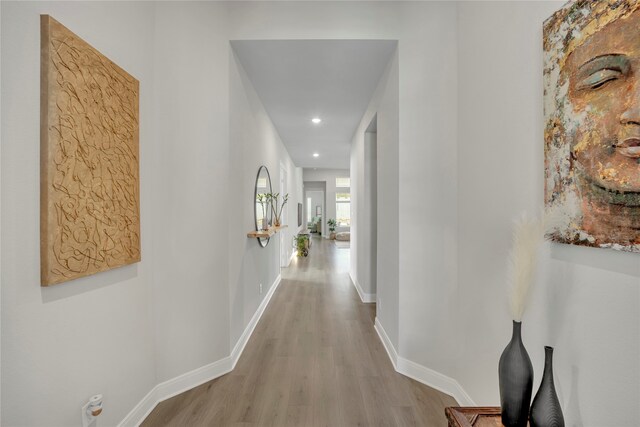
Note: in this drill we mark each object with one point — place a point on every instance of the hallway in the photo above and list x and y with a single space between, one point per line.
314 359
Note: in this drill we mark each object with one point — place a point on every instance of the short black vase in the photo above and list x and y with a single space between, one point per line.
545 410
515 375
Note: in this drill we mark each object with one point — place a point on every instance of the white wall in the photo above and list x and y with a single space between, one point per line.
191 291
417 184
586 302
62 344
382 262
328 177
387 261
428 186
368 263
255 143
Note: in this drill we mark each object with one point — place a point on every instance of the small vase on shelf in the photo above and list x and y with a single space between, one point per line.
546 410
515 376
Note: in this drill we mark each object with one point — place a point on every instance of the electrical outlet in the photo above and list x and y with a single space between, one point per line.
91 410
87 419
260 287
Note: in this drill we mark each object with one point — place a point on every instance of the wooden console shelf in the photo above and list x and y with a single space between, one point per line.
264 234
473 416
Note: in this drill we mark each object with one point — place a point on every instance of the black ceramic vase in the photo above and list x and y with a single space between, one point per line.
545 410
515 375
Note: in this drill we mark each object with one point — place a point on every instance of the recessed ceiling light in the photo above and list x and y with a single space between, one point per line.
316 155
316 120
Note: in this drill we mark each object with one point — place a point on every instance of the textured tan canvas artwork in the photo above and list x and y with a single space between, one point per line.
592 118
89 171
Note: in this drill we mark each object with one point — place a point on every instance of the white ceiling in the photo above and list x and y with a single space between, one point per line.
297 80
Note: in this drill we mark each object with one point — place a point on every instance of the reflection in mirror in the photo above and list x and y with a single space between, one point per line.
262 211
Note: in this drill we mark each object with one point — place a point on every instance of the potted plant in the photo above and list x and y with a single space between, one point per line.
276 208
332 228
302 244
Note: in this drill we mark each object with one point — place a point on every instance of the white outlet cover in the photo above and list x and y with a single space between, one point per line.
88 420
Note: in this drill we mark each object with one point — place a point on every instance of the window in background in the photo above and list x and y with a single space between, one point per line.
343 209
343 182
309 209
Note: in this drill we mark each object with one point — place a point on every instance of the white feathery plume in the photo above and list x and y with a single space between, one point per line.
528 233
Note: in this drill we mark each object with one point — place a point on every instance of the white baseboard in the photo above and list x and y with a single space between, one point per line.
244 338
141 410
423 374
366 298
173 387
189 380
192 379
435 380
386 342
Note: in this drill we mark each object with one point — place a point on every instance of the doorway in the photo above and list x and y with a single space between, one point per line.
315 208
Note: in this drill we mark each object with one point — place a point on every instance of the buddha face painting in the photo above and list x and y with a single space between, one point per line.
592 134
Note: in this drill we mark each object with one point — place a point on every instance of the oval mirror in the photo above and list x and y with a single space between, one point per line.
262 211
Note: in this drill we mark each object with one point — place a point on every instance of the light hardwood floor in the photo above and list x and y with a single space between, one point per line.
314 359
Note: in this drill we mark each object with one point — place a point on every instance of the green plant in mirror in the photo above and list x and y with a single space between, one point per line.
332 224
263 198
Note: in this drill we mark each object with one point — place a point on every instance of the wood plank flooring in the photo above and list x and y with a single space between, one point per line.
314 359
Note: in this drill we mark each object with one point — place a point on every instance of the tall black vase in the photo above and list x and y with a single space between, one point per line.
515 375
546 410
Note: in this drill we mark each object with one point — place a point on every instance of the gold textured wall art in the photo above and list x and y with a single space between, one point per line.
89 166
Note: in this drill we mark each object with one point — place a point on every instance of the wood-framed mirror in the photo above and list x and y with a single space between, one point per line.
262 212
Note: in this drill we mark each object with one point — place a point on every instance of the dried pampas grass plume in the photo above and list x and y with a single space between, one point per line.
528 233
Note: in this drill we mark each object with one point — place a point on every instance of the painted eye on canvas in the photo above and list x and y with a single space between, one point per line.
602 69
599 79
